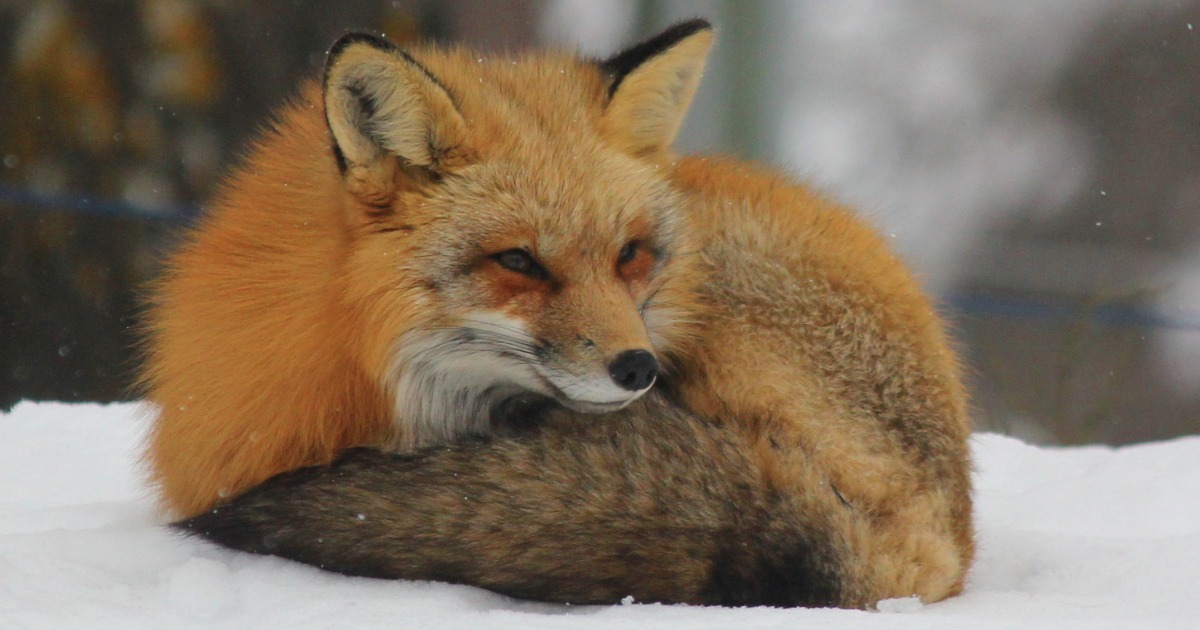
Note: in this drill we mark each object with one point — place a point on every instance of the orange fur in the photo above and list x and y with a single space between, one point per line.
855 319
248 359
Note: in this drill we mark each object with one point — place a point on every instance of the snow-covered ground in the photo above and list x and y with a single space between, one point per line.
1068 538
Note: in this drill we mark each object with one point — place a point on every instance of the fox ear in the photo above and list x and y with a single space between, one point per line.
380 105
651 85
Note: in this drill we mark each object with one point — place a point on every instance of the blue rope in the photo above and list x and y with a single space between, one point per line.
96 205
1115 315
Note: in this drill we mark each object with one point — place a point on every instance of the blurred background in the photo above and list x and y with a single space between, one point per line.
1036 161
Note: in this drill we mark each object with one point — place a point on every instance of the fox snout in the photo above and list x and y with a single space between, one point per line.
462 371
634 370
587 385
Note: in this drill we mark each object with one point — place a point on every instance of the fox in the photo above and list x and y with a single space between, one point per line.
470 318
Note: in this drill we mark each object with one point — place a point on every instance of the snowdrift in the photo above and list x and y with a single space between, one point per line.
1068 538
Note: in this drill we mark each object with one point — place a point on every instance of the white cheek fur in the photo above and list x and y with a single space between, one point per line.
446 381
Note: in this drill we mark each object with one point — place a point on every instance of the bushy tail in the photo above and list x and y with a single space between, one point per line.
651 503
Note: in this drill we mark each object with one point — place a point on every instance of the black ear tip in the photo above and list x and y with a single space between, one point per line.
624 62
349 39
676 33
689 27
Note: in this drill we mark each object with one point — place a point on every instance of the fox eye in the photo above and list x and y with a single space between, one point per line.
627 253
522 262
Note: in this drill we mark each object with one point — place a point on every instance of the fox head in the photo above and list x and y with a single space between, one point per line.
512 230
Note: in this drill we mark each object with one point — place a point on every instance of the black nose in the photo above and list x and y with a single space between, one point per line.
634 369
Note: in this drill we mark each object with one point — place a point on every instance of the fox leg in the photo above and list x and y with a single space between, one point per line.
652 503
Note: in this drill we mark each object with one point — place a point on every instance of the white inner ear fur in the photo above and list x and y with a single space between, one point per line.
648 107
410 110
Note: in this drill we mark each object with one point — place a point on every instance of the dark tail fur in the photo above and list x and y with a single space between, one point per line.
651 503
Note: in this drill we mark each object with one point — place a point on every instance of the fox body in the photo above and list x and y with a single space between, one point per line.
735 394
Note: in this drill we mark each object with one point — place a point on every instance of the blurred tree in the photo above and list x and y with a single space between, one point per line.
141 102
1098 376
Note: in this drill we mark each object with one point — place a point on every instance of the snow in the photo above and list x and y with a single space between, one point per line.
1068 538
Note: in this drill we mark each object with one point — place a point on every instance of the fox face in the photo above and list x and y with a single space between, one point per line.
506 253
536 291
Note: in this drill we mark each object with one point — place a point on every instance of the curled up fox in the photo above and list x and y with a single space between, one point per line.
469 318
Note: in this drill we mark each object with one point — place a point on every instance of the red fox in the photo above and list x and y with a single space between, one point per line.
585 367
